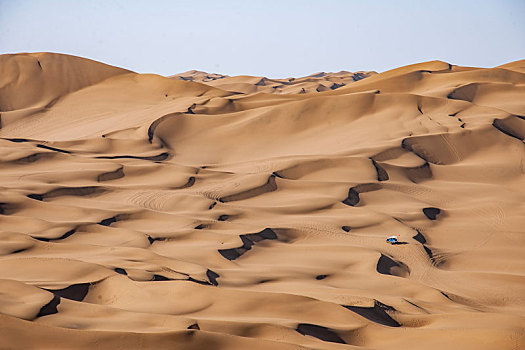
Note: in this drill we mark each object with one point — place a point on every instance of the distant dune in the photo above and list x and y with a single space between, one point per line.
246 84
201 211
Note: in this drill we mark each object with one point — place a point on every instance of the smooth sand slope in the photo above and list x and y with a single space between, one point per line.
211 212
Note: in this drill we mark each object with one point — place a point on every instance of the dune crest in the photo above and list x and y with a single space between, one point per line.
204 211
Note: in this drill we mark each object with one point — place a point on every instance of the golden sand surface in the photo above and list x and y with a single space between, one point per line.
201 211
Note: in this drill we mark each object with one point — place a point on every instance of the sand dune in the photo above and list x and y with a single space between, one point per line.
246 84
203 211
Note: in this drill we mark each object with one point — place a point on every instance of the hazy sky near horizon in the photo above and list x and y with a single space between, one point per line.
272 38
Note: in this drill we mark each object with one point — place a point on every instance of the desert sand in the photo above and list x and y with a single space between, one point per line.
201 211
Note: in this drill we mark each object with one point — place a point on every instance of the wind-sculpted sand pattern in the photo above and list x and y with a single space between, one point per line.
143 212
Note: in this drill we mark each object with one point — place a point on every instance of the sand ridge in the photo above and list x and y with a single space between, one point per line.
204 211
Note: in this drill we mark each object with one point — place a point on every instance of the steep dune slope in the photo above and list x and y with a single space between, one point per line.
144 212
37 80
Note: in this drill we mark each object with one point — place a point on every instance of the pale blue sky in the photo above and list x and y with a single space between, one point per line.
272 38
